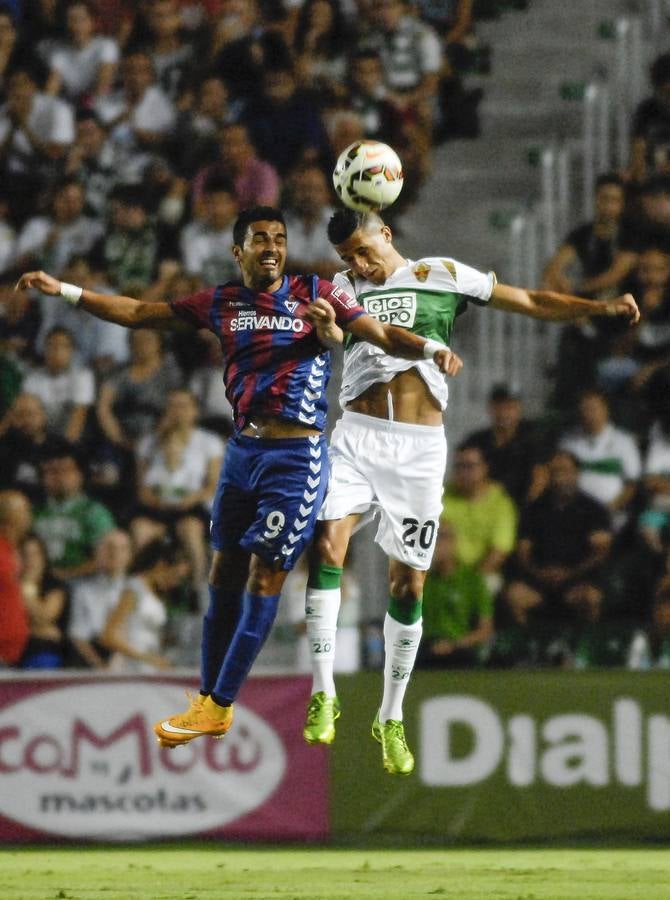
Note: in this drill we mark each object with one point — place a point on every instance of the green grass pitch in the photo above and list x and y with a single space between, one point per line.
214 871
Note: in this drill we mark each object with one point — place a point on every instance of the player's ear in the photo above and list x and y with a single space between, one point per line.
237 251
388 234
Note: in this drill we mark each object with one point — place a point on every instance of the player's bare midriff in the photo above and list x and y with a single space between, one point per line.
411 401
269 427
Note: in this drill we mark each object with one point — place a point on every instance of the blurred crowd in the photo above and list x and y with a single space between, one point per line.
130 136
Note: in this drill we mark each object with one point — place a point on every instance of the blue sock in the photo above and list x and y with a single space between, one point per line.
258 614
218 628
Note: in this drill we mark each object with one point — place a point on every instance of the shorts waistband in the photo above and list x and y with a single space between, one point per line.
245 440
387 425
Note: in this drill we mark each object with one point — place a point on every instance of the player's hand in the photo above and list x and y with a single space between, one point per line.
448 362
624 306
40 281
322 316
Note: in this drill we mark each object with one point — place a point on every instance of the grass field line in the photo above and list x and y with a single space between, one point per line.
170 872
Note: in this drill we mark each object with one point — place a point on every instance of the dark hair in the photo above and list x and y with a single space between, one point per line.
331 44
594 391
62 449
218 184
60 329
85 114
468 444
344 222
566 454
255 214
609 178
660 70
364 53
132 195
151 554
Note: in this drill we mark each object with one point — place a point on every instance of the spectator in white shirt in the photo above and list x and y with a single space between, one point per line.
67 391
102 346
93 598
35 133
206 242
140 116
609 459
50 242
84 65
178 468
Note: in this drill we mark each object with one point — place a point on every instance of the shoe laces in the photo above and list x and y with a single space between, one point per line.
395 733
194 710
316 705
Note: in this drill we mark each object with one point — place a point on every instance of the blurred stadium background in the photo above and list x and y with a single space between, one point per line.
557 733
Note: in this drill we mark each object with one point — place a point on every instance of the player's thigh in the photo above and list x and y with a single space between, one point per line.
410 501
234 503
349 488
290 487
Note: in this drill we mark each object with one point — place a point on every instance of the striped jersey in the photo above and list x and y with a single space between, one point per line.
424 296
274 364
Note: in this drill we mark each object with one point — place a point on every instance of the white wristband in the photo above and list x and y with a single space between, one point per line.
70 292
431 347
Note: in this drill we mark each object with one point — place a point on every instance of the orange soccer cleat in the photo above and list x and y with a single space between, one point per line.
202 717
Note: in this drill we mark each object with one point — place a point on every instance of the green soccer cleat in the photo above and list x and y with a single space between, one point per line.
397 756
321 715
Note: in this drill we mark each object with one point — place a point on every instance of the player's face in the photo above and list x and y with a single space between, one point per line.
369 253
262 256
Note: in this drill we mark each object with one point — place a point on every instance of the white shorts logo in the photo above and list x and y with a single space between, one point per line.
392 309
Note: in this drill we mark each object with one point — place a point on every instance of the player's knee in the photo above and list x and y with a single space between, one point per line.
407 586
264 579
327 551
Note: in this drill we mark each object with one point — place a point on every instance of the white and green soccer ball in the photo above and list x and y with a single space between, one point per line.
368 176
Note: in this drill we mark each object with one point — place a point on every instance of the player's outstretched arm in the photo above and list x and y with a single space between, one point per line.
124 311
403 343
561 307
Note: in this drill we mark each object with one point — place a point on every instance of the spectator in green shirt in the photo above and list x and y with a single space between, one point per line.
457 609
482 514
69 522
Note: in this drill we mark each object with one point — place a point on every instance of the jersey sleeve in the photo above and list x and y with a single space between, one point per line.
345 305
195 309
475 285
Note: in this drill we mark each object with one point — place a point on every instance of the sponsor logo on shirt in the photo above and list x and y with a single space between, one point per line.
249 320
392 309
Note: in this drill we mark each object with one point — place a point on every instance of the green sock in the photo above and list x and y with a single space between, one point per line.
324 577
405 613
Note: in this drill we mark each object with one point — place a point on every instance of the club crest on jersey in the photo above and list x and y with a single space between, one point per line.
392 309
421 271
291 304
450 267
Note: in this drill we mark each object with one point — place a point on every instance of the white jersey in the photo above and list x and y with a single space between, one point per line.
423 296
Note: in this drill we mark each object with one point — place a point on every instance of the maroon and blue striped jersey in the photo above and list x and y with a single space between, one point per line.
274 364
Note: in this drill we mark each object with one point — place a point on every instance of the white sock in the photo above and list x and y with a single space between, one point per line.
401 644
321 609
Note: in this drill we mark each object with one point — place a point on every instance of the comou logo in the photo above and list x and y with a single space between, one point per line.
625 748
392 309
83 761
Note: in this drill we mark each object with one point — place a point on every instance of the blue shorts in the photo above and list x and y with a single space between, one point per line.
268 496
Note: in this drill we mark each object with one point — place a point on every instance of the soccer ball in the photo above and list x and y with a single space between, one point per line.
368 176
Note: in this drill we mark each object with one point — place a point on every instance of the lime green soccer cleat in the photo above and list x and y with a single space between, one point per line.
398 759
320 722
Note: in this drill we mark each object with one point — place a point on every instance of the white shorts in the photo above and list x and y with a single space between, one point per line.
394 469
